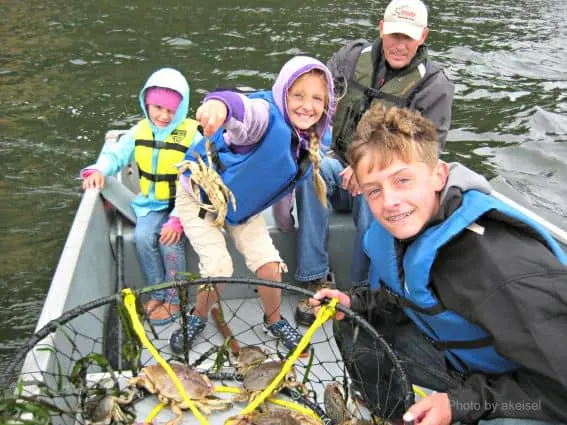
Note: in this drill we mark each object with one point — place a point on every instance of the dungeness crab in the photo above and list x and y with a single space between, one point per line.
259 377
337 410
273 417
155 379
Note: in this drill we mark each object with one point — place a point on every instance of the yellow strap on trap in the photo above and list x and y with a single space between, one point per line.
418 391
130 304
295 406
324 314
154 413
287 404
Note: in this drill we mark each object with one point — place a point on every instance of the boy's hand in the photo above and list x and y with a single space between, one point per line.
343 298
435 409
94 180
211 115
349 181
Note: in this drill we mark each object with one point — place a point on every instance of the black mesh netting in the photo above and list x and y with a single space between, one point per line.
79 368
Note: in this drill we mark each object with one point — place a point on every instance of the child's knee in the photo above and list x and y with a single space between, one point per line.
329 166
146 240
271 271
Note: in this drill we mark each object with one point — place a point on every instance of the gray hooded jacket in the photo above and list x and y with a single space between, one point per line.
434 99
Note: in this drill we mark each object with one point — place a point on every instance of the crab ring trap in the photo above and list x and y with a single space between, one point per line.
93 366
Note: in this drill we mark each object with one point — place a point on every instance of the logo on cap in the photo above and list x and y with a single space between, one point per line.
405 16
403 13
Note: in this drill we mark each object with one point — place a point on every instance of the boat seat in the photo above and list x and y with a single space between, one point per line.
341 239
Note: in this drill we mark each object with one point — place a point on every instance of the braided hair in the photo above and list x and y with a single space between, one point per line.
315 158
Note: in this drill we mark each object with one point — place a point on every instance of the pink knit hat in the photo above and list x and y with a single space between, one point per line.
163 97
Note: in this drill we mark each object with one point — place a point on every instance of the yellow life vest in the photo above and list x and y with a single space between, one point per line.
171 151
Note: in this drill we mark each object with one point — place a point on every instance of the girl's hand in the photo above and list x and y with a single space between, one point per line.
169 236
343 298
171 231
94 180
211 115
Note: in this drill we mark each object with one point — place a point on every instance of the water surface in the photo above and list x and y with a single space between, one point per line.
70 71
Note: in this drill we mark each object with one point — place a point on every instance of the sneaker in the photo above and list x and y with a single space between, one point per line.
304 314
195 326
284 332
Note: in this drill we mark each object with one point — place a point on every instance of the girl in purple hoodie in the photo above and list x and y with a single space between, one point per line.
261 145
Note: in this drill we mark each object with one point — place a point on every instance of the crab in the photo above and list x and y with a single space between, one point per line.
259 377
207 178
336 407
105 409
273 417
155 379
249 357
335 404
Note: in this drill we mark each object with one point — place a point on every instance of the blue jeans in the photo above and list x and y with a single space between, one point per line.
369 367
312 255
159 262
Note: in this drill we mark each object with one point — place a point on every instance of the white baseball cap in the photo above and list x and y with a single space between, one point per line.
407 17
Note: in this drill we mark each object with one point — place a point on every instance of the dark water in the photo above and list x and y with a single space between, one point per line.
71 70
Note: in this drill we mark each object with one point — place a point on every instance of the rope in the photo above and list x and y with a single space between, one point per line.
324 314
284 403
130 304
154 413
418 391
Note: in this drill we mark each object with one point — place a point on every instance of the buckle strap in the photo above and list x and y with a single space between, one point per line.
158 177
461 345
388 296
216 159
161 145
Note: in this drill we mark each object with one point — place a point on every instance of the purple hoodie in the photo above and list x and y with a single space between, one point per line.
247 119
293 69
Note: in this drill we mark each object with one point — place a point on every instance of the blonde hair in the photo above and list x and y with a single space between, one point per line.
315 143
390 133
315 158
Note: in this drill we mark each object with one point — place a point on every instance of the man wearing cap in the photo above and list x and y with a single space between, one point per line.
394 70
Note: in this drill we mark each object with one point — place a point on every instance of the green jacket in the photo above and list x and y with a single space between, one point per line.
362 76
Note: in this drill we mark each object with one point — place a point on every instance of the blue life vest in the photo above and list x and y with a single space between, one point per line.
466 345
267 173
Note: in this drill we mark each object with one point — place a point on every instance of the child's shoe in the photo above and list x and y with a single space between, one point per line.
287 334
195 325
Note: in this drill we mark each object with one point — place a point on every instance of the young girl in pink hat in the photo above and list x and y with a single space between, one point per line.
156 143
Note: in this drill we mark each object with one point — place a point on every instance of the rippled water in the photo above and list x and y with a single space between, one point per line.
71 70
